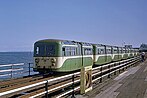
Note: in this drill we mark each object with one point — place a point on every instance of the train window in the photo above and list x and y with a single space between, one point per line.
131 50
120 50
100 51
69 51
37 50
73 51
50 50
127 51
40 50
78 50
124 51
108 51
63 51
87 51
115 51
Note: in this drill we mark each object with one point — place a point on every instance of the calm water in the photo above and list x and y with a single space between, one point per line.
14 58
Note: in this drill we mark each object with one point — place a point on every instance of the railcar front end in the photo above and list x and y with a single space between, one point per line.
47 55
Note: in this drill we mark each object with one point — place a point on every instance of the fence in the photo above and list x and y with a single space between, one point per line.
12 70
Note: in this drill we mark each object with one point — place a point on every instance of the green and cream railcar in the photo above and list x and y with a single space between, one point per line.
66 56
136 52
115 54
102 54
75 55
61 55
87 54
128 51
120 53
109 54
131 52
125 54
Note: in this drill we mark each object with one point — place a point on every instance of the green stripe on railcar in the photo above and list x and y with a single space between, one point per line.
100 60
87 61
125 56
131 55
109 59
103 60
117 57
70 65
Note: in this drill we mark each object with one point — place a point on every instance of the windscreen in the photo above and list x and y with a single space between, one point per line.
44 50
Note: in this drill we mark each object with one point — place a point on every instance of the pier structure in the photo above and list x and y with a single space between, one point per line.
105 81
132 83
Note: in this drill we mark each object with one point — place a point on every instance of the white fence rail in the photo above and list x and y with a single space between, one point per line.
11 69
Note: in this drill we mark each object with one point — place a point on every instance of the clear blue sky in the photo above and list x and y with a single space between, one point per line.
113 22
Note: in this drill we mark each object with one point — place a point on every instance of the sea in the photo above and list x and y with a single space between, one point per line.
23 58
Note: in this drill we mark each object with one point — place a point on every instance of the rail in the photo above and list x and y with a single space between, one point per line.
16 69
69 83
10 69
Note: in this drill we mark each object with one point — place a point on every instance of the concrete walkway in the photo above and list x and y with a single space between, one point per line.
130 84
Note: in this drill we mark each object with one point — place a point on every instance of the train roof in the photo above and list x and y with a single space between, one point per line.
98 45
68 42
49 40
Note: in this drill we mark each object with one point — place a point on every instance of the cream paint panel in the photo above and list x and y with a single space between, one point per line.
44 61
59 61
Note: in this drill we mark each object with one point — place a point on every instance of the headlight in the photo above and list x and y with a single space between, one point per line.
37 60
53 64
53 60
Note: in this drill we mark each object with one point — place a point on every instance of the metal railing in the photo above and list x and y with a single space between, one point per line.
29 69
13 70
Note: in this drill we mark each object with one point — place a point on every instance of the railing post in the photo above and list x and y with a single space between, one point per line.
115 69
11 71
29 68
46 89
101 74
109 71
73 93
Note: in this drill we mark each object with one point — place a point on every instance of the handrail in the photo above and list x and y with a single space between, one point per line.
36 84
9 70
13 69
12 64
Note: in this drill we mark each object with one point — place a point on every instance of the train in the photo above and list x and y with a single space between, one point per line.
54 55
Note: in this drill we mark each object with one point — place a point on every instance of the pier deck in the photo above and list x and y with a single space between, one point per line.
132 83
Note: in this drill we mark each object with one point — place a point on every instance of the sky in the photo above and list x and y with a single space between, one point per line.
110 22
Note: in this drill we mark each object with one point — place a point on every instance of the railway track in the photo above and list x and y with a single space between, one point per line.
17 81
20 82
59 85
